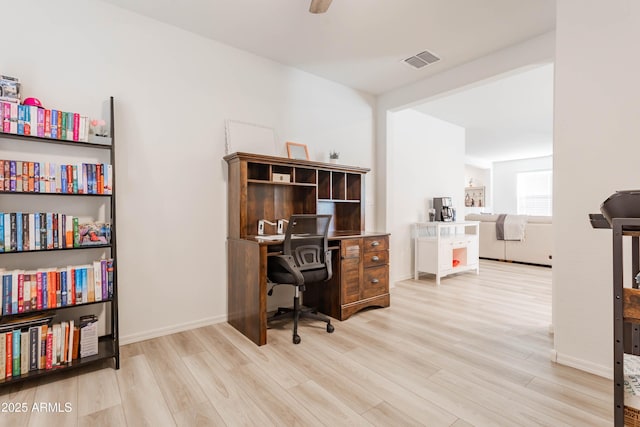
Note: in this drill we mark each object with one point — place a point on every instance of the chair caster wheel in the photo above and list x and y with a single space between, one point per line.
330 328
296 339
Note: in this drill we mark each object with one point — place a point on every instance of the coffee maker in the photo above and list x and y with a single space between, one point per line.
444 209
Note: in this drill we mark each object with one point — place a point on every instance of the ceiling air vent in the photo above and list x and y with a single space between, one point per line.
422 59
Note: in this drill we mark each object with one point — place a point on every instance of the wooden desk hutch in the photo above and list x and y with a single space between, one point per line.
271 188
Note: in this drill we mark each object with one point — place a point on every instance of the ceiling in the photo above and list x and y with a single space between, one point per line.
506 119
359 43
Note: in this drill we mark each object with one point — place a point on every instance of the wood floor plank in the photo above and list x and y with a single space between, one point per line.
473 351
141 397
225 394
201 415
99 391
179 388
108 417
56 403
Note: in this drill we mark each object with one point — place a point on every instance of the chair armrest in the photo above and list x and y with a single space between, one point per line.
327 262
289 264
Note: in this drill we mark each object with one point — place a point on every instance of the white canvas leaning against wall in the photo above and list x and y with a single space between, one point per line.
250 138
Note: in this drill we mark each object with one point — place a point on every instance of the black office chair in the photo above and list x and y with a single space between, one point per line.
305 259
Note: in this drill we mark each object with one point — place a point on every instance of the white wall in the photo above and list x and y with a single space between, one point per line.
505 191
530 53
481 178
427 160
596 152
173 91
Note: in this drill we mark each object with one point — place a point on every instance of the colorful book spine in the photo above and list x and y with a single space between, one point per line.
6 294
16 352
54 124
9 355
76 126
41 114
1 232
47 123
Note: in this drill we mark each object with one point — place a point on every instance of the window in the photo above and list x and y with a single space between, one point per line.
535 193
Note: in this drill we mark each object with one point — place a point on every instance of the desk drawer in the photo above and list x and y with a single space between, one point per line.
376 281
376 243
372 259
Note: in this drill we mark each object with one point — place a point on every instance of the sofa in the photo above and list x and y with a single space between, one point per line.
534 248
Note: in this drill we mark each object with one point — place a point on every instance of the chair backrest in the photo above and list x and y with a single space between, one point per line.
306 240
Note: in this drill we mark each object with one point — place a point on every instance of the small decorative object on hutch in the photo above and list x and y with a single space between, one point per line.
333 156
39 283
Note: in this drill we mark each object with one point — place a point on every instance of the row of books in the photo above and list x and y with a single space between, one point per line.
44 177
36 121
21 231
43 346
46 288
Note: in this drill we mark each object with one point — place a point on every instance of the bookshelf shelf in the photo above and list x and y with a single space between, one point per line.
106 350
28 193
55 260
56 249
28 138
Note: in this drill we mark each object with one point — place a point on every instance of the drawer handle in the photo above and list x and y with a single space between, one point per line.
375 281
375 243
375 258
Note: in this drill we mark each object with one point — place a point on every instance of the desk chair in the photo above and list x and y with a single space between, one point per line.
305 259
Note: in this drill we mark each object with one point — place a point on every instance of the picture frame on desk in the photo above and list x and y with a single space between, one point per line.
297 151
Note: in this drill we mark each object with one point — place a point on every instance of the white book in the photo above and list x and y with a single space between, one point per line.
54 344
13 126
70 349
80 178
63 341
26 288
97 280
32 232
57 177
110 178
33 122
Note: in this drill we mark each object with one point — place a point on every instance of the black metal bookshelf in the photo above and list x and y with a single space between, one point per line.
108 345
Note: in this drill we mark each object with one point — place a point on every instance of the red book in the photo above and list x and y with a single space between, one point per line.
76 126
49 359
39 290
20 293
71 285
100 178
69 178
47 123
9 356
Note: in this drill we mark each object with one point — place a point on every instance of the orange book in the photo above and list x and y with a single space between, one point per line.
76 342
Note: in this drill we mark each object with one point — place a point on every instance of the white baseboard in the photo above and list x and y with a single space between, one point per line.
155 333
583 365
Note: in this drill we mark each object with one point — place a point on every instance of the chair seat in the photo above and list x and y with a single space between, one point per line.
278 274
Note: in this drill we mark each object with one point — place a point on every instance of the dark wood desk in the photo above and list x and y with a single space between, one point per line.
360 279
270 188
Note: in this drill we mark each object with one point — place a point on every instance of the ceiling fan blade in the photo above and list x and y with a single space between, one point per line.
319 6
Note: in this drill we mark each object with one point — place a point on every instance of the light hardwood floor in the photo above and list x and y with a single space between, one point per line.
473 351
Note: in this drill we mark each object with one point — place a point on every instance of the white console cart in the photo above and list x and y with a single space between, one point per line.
444 248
